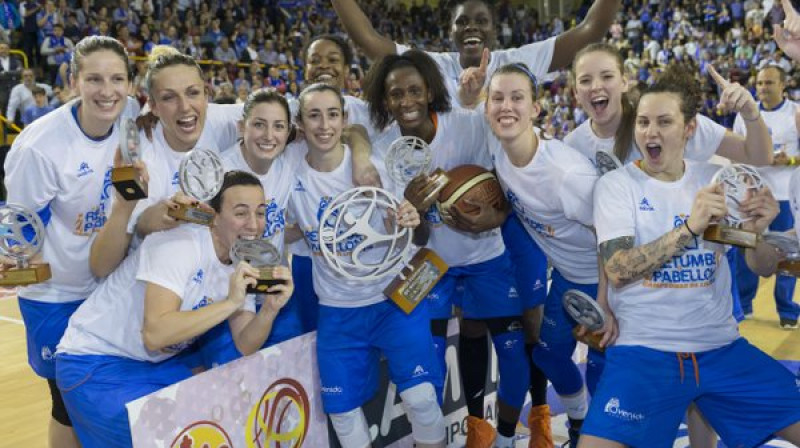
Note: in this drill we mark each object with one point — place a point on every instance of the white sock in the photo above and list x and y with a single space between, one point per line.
576 405
503 442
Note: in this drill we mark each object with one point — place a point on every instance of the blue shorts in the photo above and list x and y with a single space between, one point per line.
643 394
96 388
489 290
557 325
216 346
45 324
304 297
351 340
529 261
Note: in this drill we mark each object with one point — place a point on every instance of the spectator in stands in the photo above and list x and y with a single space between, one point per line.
58 50
30 29
8 63
22 94
46 19
39 108
9 19
225 53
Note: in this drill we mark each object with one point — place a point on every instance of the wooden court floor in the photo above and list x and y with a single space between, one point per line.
24 399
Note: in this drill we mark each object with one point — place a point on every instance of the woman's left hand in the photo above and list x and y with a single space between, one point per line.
277 296
761 207
487 218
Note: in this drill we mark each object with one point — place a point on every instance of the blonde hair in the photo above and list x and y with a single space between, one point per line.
163 56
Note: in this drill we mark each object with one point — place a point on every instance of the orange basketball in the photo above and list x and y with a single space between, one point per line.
468 185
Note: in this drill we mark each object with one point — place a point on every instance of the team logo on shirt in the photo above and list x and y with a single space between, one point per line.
312 235
433 216
205 301
276 219
644 205
299 186
519 210
694 267
176 178
419 371
94 219
84 169
198 277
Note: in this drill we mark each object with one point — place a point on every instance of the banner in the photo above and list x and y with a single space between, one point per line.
265 400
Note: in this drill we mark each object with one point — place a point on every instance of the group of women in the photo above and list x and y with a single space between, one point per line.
138 299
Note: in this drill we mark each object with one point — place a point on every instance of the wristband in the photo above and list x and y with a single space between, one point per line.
686 223
752 120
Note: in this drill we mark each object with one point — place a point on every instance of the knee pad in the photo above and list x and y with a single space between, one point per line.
512 360
424 413
59 409
351 428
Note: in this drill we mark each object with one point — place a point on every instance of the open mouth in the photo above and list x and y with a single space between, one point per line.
188 124
653 150
507 120
106 105
266 147
324 78
411 115
473 42
599 104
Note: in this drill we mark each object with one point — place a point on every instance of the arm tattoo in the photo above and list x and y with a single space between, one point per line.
628 264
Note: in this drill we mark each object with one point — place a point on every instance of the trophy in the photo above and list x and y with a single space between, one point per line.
605 162
587 312
359 241
263 256
739 181
788 249
125 178
201 174
407 162
22 238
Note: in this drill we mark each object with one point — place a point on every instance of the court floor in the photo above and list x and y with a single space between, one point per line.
24 401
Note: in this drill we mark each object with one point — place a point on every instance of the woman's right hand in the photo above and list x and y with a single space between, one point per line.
243 276
708 207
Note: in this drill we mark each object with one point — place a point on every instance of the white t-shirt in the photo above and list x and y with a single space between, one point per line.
461 138
110 321
685 305
278 184
553 195
701 146
53 167
537 56
783 130
313 193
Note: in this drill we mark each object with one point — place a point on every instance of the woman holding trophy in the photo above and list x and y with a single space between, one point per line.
356 320
60 167
127 339
670 293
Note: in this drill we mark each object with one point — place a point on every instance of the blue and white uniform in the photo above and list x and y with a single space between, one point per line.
552 196
53 168
102 362
678 342
782 127
356 321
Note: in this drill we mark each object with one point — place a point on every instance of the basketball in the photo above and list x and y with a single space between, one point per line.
470 185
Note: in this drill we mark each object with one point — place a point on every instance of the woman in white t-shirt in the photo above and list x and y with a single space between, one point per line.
125 341
670 292
60 167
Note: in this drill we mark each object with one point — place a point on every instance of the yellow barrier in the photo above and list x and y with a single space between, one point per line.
22 55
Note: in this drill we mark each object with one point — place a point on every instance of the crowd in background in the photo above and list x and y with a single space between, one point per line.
260 42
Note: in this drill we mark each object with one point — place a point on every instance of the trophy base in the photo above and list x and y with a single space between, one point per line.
192 214
789 267
423 198
589 339
35 273
126 180
264 281
731 235
421 275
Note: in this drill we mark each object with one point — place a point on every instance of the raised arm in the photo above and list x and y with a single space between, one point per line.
592 29
360 29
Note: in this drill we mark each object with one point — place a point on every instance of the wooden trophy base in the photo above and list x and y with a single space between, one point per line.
35 273
189 213
416 280
589 339
127 182
264 281
423 198
789 267
731 235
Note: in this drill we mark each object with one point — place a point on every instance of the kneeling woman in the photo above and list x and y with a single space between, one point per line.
122 342
672 333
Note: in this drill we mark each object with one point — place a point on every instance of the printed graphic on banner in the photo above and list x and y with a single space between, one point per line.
265 400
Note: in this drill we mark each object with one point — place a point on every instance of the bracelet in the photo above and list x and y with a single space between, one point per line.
686 223
754 119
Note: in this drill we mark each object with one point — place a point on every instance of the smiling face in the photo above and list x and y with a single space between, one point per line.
661 134
102 84
178 98
322 120
265 132
242 214
471 31
510 108
326 63
599 86
408 99
769 86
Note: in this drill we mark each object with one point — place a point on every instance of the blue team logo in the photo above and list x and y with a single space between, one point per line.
519 210
299 186
644 205
198 277
205 301
176 180
105 195
312 236
433 216
693 267
323 205
276 219
84 169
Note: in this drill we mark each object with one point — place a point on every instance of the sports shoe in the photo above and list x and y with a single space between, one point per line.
574 435
480 433
788 324
539 426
